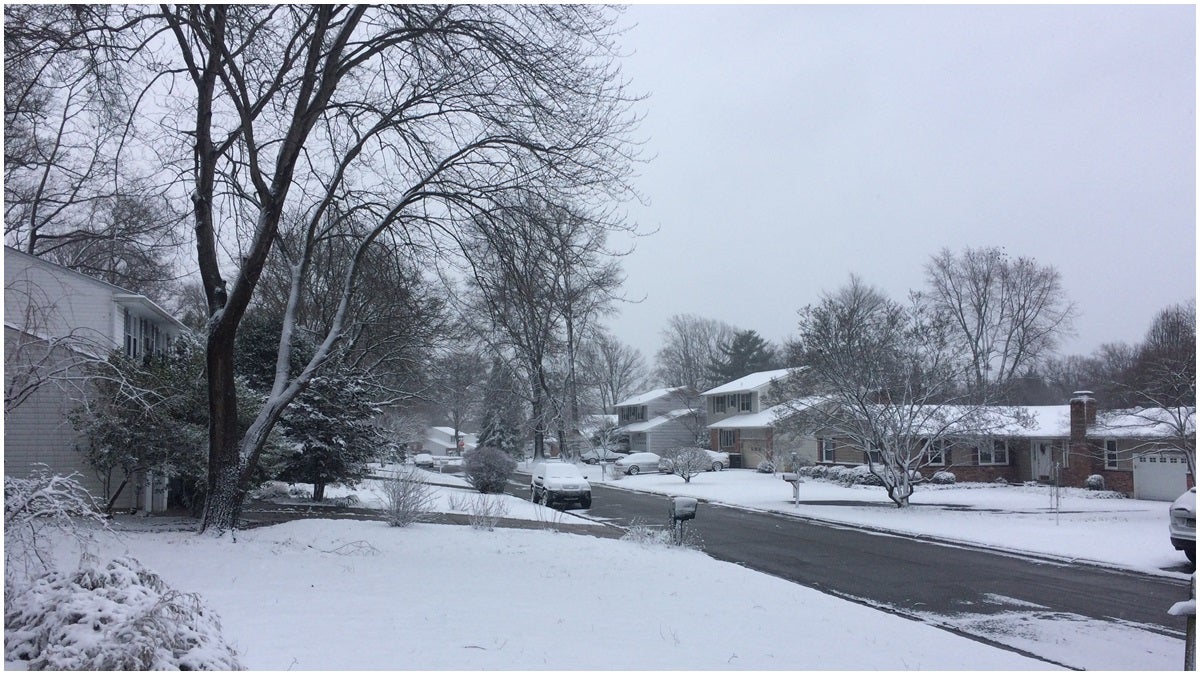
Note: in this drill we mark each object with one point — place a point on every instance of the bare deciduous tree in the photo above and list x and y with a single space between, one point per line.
611 371
1008 313
885 376
690 344
290 126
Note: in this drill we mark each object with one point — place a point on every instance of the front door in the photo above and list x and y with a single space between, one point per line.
1043 460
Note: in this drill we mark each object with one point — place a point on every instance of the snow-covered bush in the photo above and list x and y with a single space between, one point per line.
406 498
1001 480
1094 482
943 478
34 505
117 617
766 467
272 489
488 469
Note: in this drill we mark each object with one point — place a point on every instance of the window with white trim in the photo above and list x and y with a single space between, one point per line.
726 437
132 344
1111 458
745 402
995 453
875 455
827 449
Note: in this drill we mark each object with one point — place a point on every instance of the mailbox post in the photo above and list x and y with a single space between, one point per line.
682 509
794 479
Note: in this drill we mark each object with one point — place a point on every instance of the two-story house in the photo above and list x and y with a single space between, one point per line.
743 426
443 442
659 420
55 321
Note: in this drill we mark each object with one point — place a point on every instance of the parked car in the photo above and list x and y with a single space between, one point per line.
1183 524
601 454
637 462
556 481
424 460
718 461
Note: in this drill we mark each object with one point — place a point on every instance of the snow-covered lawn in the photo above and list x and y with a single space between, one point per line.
356 595
1126 533
359 595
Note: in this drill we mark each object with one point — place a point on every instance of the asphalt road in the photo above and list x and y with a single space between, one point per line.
907 576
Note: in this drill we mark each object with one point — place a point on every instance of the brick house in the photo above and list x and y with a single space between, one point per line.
1069 442
741 424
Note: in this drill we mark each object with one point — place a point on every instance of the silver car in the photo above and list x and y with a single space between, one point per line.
637 462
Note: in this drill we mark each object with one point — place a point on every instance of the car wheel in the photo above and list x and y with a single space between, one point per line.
633 470
586 502
717 466
1190 552
546 499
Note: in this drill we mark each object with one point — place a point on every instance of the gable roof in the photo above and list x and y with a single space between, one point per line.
748 382
646 397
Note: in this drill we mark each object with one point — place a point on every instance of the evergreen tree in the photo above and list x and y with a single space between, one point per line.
747 352
501 411
329 430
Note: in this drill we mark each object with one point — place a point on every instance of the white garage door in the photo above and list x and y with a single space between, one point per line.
1159 476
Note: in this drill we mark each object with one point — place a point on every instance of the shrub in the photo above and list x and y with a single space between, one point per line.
943 478
488 469
685 462
1094 482
1001 480
766 466
406 498
483 511
37 503
119 617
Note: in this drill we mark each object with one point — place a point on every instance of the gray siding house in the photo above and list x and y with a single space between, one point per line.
659 420
55 320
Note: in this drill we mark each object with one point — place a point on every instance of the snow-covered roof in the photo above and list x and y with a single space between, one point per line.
644 398
1145 422
638 427
751 381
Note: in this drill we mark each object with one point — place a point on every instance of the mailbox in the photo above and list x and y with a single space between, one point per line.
795 480
683 508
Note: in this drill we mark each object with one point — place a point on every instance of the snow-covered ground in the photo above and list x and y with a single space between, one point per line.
358 595
1087 526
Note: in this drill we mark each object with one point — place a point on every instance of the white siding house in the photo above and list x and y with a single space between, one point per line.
739 422
55 319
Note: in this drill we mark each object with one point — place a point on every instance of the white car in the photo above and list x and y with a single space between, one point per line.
1183 524
556 481
600 454
637 462
423 460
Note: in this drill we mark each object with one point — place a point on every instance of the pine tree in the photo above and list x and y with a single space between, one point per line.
746 353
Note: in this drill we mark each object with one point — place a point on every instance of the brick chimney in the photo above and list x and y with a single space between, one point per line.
1083 415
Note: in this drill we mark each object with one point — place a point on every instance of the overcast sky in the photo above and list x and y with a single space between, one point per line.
794 145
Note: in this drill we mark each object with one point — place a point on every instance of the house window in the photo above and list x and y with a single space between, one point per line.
1110 453
875 455
935 452
745 403
718 404
726 438
131 335
994 454
827 449
641 413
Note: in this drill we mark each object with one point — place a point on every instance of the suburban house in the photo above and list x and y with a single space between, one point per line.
1067 443
443 442
659 420
55 321
743 426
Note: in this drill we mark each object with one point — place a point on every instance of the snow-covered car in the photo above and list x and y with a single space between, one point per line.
600 454
555 481
717 461
1183 524
637 462
423 460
